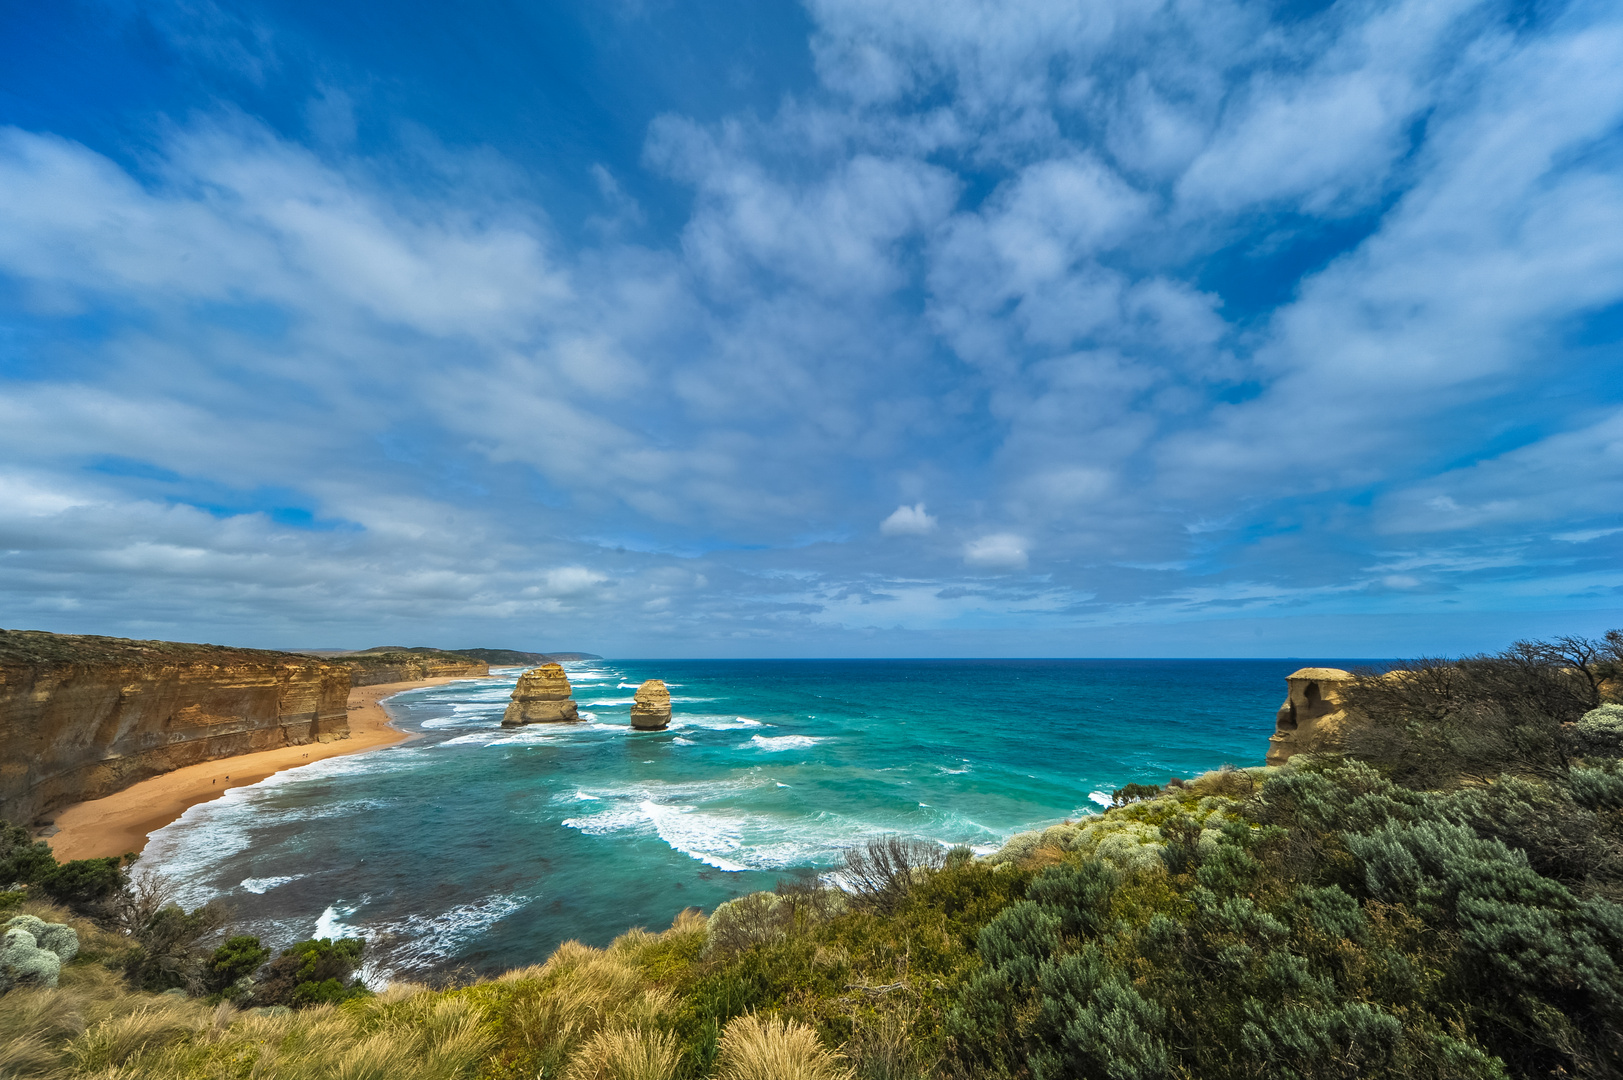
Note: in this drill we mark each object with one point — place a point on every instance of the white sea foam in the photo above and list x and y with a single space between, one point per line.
330 924
415 941
696 835
774 743
1100 797
679 741
260 885
607 702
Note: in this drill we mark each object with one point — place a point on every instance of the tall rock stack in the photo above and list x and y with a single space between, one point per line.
651 711
542 696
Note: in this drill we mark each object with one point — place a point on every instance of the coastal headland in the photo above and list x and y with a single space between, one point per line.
121 822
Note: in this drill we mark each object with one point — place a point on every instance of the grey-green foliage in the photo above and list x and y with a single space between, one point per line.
24 963
60 939
1522 927
1600 732
1092 1022
1598 788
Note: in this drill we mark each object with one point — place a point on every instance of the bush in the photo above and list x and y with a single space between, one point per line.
880 873
22 859
83 882
238 958
315 972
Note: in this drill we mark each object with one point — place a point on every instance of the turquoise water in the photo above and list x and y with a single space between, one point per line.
473 846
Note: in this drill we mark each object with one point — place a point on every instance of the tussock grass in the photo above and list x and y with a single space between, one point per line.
625 1054
757 1048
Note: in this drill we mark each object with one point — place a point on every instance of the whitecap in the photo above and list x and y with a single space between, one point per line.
679 741
774 743
260 885
1100 797
330 924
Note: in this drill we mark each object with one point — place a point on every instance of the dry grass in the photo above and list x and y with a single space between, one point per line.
625 1054
588 1014
753 1048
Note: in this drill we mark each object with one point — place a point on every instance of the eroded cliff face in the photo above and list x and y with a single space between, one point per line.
82 717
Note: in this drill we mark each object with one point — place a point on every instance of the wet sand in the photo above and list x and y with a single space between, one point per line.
121 822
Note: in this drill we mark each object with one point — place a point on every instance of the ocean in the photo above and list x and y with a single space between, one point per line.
476 849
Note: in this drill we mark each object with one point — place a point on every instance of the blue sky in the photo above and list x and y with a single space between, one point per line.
857 327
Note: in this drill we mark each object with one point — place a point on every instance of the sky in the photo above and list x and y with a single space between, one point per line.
845 328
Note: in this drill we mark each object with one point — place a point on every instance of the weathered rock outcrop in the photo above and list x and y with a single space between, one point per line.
542 696
651 710
82 717
1310 721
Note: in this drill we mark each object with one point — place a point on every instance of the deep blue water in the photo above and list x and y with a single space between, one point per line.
477 846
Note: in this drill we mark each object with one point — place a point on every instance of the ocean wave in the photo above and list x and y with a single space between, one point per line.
260 885
415 942
607 702
679 741
1103 798
775 743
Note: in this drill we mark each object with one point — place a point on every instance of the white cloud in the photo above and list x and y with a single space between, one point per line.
908 521
999 551
573 580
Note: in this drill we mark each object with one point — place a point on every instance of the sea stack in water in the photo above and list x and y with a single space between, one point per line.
542 696
1310 720
652 709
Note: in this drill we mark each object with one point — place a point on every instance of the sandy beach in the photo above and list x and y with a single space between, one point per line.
122 821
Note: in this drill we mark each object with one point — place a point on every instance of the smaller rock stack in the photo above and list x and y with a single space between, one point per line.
543 696
652 709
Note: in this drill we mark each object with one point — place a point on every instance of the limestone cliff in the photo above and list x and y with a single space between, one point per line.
407 665
1311 718
82 717
651 709
542 696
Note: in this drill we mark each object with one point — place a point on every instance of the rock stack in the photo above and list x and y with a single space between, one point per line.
1311 719
542 696
652 709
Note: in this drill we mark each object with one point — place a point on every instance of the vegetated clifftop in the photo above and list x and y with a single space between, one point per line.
518 658
390 664
84 716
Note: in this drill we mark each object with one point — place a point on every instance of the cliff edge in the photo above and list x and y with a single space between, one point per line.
83 716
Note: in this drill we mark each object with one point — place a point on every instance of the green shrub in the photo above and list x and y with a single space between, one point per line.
316 972
239 957
22 859
83 882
